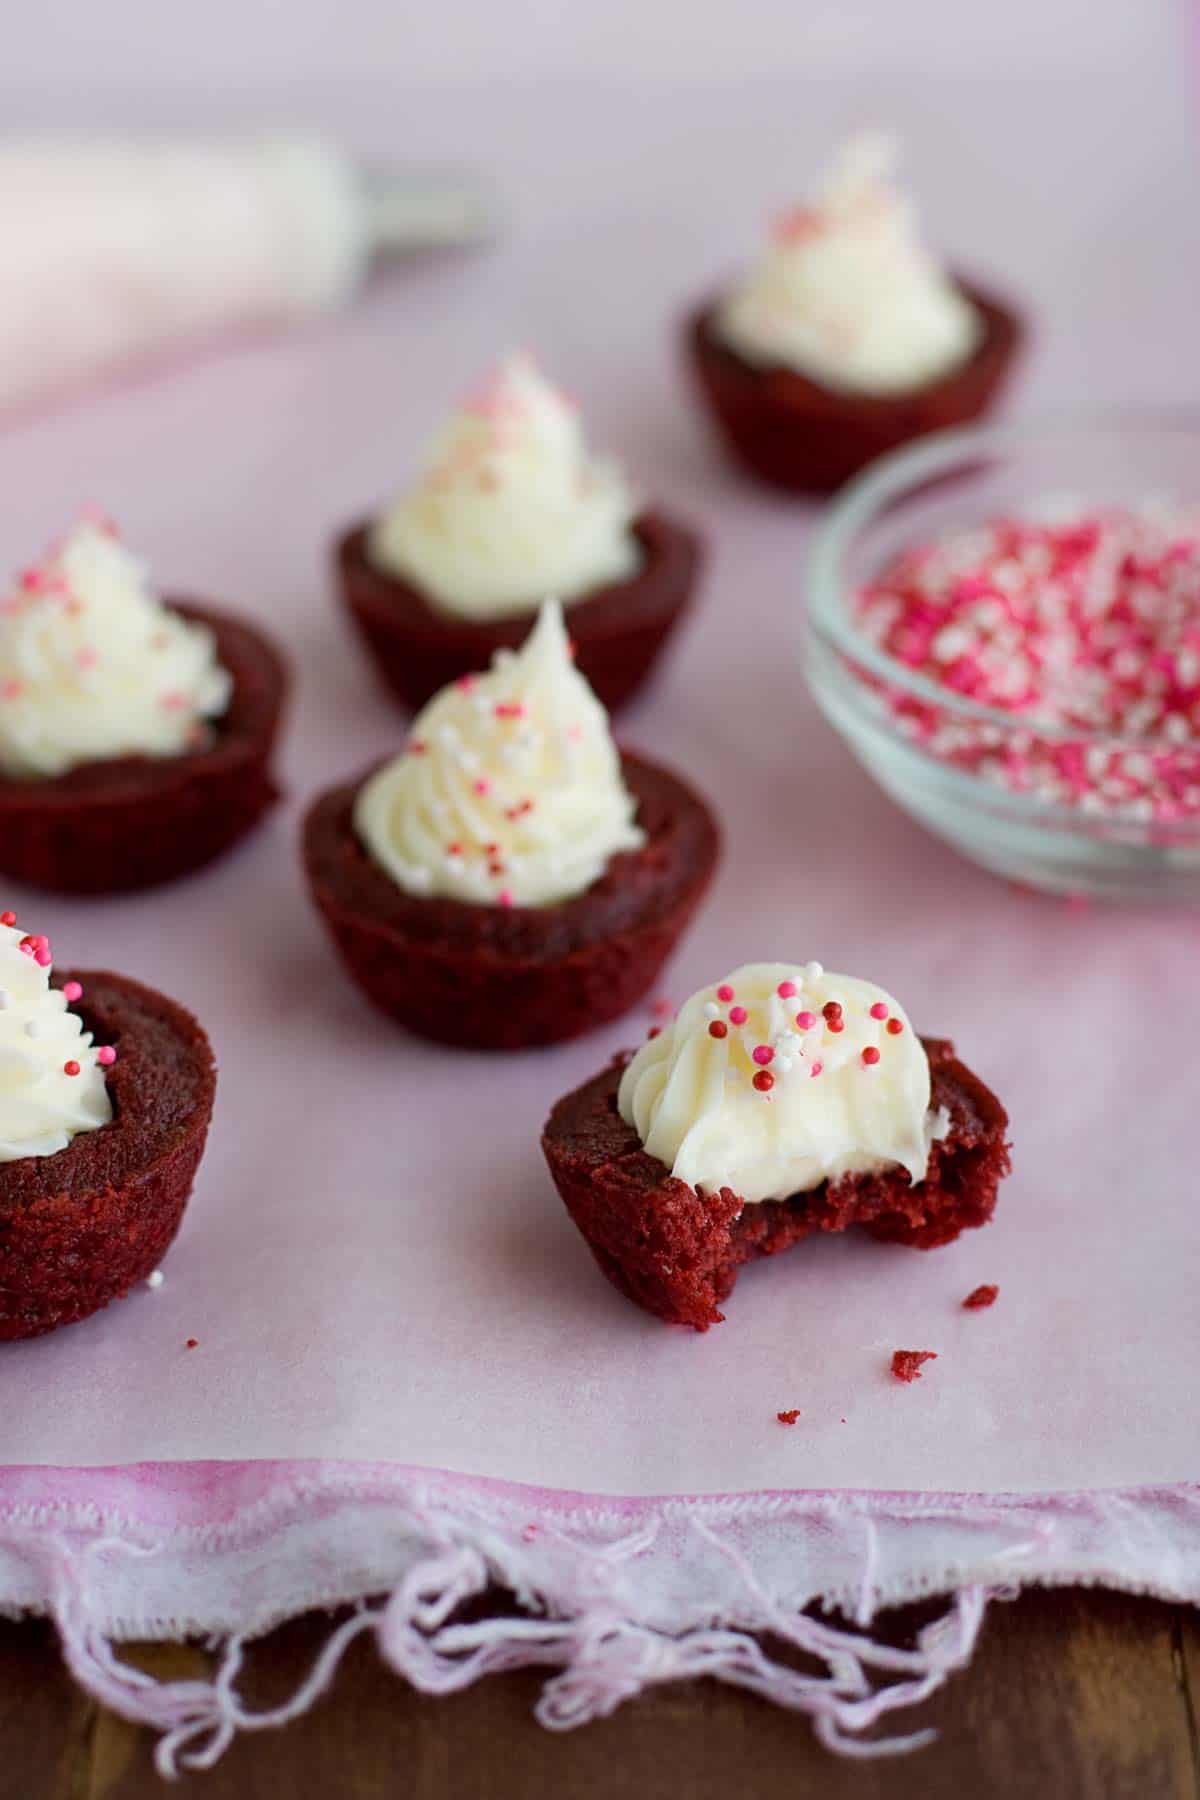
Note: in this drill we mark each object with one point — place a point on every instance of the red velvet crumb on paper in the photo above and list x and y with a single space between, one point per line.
789 1417
981 1296
906 1364
192 1344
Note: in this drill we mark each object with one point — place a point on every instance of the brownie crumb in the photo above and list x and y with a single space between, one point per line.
789 1417
981 1296
906 1364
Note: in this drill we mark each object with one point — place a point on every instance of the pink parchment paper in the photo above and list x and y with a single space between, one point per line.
375 1264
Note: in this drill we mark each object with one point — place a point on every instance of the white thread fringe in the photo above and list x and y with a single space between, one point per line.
617 1599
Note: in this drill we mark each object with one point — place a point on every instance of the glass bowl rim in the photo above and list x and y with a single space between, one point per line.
887 479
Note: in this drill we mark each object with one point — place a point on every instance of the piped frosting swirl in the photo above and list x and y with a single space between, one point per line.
94 666
510 508
509 791
778 1078
847 294
52 1084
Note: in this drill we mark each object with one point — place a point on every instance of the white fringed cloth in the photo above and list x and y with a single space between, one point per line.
614 1596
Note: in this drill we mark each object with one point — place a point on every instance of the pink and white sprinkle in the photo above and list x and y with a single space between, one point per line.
1088 622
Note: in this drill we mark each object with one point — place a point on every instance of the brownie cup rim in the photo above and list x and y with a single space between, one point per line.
477 945
943 1057
261 678
189 1032
589 615
792 390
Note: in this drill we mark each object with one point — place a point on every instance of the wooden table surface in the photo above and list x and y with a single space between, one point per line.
1071 1694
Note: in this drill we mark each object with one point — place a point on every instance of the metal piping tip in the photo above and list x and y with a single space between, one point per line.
428 209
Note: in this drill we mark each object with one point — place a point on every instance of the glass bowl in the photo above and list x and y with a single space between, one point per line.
957 479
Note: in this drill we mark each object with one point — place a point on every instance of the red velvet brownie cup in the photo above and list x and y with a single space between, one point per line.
99 1141
135 735
847 340
510 510
510 879
780 1102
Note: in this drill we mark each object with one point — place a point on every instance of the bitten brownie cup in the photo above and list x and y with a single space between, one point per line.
130 822
509 977
510 879
81 1225
795 434
618 630
675 1246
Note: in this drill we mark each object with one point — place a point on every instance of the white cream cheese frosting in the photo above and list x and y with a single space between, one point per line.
510 508
93 665
779 1078
847 294
509 791
52 1083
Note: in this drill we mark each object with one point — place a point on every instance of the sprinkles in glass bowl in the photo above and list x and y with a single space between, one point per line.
1022 673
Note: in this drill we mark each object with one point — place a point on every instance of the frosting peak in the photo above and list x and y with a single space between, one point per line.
510 507
847 294
51 1076
779 1078
93 665
509 792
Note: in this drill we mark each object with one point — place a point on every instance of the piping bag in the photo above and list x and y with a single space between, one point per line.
121 250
